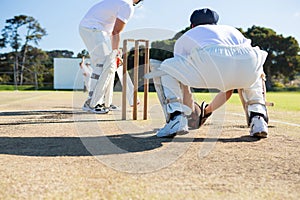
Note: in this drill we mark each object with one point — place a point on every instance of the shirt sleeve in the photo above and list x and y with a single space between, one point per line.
125 12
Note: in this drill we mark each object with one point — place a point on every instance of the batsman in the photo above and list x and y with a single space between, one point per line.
100 31
210 56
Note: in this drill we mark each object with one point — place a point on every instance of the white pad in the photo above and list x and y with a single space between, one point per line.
154 67
129 88
105 82
168 91
94 78
174 95
254 97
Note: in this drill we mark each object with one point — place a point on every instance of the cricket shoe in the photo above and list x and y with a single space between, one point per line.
99 109
177 125
86 107
258 127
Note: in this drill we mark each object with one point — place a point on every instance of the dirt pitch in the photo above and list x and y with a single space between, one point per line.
50 149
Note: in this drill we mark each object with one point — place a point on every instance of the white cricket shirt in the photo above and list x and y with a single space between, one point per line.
206 35
103 15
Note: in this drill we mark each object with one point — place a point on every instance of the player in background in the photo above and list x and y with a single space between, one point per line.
87 71
100 31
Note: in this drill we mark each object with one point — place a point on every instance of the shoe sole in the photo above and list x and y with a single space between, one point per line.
99 112
93 111
261 134
168 136
183 132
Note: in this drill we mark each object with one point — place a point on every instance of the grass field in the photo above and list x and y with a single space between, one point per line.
51 149
286 101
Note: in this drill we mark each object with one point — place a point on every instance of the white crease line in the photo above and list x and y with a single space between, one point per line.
276 121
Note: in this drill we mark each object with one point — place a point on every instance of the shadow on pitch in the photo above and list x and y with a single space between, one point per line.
100 145
48 117
39 112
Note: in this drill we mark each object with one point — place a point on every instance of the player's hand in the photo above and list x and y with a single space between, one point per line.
119 62
119 58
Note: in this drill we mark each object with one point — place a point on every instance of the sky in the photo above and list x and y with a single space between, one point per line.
155 20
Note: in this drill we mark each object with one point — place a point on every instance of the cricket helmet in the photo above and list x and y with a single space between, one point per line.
204 16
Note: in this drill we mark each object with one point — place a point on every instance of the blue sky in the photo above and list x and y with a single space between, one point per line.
155 20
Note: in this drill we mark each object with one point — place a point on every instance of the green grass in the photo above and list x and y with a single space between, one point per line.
285 101
20 87
289 101
24 87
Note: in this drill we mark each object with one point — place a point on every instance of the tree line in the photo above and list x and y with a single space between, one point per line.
283 62
27 64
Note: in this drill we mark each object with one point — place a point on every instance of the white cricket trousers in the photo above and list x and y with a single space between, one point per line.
219 67
99 47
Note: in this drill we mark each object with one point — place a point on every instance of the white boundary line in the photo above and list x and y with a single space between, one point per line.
276 121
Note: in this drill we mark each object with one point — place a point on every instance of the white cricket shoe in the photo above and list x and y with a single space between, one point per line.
258 127
177 125
99 109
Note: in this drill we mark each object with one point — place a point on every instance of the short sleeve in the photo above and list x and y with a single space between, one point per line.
125 12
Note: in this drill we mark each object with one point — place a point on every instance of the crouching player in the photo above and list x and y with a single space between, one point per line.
210 56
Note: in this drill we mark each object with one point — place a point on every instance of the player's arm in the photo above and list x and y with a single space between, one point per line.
115 38
218 101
